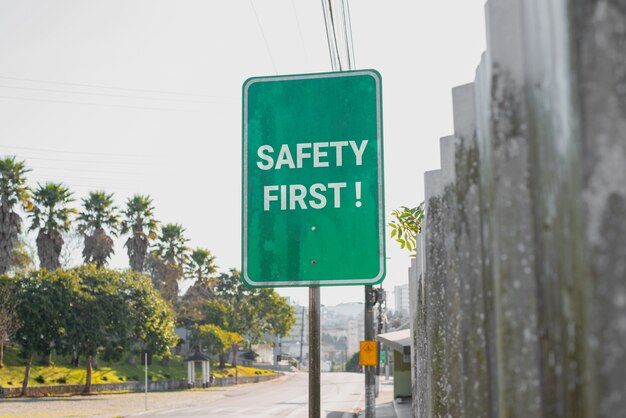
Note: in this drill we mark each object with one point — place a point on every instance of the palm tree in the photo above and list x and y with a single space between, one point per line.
171 244
139 220
51 215
98 215
169 257
200 266
13 191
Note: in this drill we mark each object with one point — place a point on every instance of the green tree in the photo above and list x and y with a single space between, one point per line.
9 321
113 309
21 258
140 222
152 321
352 365
99 214
51 215
246 311
169 256
98 316
217 340
406 225
41 301
13 192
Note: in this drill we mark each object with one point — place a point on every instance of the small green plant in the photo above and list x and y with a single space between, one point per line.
121 378
406 225
40 379
62 380
104 379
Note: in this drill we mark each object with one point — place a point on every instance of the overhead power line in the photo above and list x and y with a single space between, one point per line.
80 152
126 181
267 46
94 104
99 86
84 170
347 24
125 96
295 13
86 161
339 34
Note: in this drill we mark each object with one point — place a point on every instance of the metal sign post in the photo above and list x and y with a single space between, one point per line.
314 353
313 191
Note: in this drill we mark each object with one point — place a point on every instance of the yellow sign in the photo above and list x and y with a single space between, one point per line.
368 355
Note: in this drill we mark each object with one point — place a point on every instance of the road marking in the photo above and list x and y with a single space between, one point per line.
355 407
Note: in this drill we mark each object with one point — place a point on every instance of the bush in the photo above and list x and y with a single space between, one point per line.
121 378
62 380
104 379
250 355
40 379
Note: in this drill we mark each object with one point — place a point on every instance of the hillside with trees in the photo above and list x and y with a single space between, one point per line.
91 312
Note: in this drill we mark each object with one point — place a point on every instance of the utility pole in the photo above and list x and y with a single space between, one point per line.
314 291
370 371
381 297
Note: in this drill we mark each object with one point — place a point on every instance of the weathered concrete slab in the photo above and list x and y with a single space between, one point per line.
515 287
598 31
452 285
434 289
469 254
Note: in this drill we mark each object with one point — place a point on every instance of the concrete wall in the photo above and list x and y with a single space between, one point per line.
519 284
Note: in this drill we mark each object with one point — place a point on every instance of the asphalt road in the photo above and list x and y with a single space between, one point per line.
342 395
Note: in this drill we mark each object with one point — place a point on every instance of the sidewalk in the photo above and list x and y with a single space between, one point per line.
386 406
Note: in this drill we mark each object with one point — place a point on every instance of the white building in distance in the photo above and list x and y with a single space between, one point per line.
401 294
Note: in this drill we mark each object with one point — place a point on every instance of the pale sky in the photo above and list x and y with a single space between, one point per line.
145 97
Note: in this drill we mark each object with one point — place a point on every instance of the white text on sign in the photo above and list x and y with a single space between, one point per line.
312 155
316 152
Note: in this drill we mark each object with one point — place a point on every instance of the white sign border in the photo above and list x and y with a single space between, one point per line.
381 188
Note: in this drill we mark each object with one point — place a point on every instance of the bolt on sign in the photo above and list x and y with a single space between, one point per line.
368 353
313 192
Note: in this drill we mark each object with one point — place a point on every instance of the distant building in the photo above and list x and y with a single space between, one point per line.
298 334
402 299
355 334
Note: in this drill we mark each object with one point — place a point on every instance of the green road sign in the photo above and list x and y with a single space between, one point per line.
313 210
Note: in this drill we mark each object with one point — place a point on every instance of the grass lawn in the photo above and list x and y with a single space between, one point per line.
63 373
